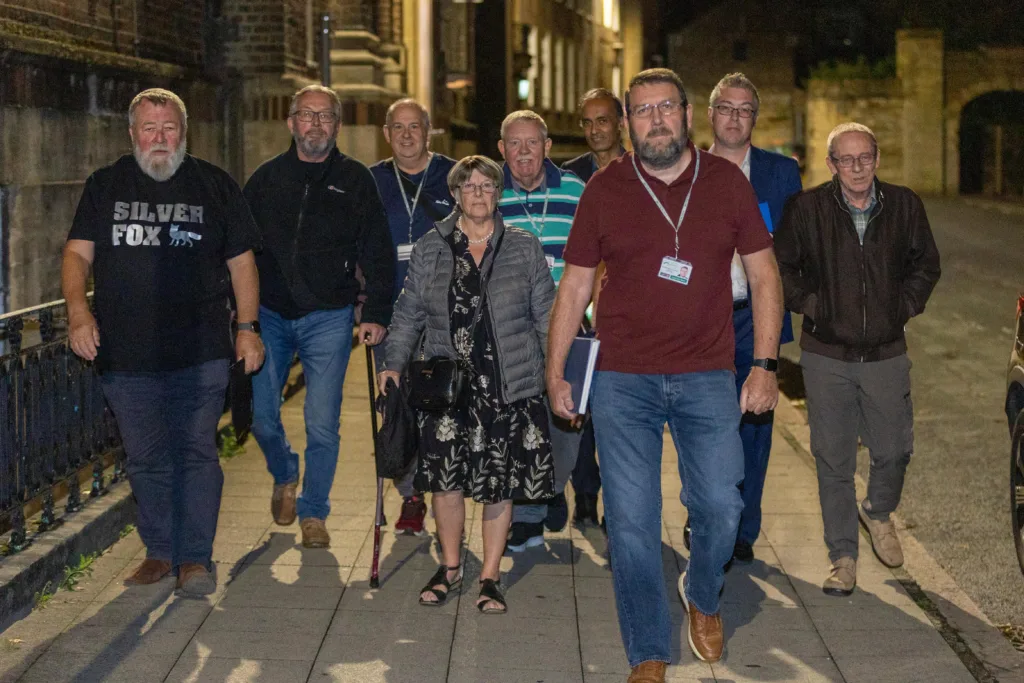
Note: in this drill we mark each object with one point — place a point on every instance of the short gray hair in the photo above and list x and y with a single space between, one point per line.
735 80
323 90
524 115
850 127
159 97
462 170
408 102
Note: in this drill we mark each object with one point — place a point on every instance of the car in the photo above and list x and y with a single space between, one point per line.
1015 418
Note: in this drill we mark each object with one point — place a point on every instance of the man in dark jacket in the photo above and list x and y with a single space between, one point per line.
858 260
321 217
601 115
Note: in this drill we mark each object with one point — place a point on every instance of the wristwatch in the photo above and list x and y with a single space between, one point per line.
253 327
769 364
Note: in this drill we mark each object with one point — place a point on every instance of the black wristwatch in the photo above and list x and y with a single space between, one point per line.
769 364
253 326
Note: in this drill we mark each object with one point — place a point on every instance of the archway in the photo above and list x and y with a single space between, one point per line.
991 145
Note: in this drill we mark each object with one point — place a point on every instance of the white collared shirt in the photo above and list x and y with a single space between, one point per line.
738 275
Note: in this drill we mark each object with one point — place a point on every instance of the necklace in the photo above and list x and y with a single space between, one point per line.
478 241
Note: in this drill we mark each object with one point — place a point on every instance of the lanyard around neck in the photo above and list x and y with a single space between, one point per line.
543 215
411 208
686 202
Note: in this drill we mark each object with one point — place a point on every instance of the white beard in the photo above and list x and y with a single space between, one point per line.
160 171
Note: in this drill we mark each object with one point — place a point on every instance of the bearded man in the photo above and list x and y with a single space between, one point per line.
321 217
168 237
666 220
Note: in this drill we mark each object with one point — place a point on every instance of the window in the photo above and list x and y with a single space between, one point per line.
534 71
571 93
545 82
560 74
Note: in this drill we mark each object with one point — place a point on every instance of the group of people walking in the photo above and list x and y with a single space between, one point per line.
502 267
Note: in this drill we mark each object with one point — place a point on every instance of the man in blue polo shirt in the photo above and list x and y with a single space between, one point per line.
414 186
541 198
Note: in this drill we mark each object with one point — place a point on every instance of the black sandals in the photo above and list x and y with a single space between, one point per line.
439 580
489 593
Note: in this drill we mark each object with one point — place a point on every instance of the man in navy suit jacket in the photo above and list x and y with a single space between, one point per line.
775 178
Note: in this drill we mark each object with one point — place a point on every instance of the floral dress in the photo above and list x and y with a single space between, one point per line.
489 450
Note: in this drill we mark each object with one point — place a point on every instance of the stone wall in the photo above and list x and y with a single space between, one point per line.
875 103
752 37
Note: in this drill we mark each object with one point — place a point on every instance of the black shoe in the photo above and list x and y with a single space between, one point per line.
586 510
743 552
686 534
558 513
524 535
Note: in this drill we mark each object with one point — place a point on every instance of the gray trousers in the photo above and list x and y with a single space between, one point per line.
846 401
565 446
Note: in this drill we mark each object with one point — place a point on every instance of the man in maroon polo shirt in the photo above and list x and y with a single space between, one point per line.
666 221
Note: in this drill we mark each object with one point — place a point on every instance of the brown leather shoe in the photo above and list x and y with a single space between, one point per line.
648 672
149 572
195 580
314 533
282 503
703 631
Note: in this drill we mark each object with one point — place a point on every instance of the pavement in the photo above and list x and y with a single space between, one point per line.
956 497
284 614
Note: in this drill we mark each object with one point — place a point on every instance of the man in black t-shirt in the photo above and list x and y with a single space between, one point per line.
168 238
321 217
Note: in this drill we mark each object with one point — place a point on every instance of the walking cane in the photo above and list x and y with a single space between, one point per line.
379 516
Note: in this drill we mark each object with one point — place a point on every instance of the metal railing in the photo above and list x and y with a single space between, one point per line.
54 423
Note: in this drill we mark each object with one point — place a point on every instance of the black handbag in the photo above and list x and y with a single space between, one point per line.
440 383
395 442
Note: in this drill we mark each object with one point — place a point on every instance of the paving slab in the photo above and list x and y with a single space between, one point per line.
283 613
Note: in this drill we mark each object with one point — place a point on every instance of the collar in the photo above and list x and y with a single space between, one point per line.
872 200
552 177
685 176
296 166
394 165
593 157
446 226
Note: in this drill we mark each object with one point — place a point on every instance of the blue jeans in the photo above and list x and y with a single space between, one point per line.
755 433
323 340
630 413
168 424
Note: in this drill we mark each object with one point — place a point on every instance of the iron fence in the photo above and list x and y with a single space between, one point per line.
54 422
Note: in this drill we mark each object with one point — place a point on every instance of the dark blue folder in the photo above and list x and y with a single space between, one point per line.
579 370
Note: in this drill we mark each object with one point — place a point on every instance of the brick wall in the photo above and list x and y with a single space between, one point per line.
164 30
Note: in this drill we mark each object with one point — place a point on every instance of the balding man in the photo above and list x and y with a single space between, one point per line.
321 217
413 184
168 237
858 260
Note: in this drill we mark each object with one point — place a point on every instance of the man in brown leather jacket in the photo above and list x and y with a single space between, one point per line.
858 260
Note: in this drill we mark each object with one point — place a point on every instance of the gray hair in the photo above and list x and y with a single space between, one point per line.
461 172
159 97
652 76
323 90
601 94
408 102
524 115
850 127
735 80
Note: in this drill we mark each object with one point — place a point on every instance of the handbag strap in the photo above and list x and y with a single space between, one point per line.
483 288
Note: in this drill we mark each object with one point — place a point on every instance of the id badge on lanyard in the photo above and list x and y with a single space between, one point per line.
673 268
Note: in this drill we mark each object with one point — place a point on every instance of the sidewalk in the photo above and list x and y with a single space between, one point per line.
286 614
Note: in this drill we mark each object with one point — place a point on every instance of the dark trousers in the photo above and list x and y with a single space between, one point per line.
755 433
168 424
847 402
586 476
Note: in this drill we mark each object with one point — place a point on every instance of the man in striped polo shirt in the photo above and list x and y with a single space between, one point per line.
541 198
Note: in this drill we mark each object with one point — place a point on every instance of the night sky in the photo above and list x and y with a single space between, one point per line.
844 29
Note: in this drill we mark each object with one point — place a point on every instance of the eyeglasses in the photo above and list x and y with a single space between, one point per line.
307 116
866 160
486 187
727 111
667 108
